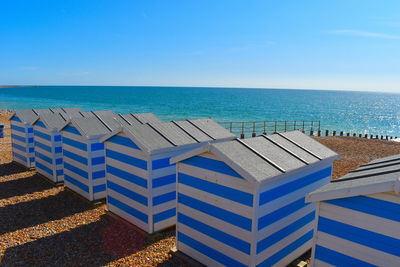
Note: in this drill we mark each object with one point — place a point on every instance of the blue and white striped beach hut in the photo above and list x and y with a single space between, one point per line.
48 149
358 217
22 137
141 184
242 202
83 153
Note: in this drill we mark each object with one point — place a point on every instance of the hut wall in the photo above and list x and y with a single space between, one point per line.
285 222
22 143
358 231
84 164
127 181
48 153
215 212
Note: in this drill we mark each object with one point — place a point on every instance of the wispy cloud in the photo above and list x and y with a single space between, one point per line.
365 34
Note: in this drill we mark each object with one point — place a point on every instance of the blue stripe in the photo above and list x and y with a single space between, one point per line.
165 180
142 164
42 135
17 137
164 215
58 149
209 252
358 235
60 172
338 259
288 188
76 183
284 232
41 166
287 250
376 207
43 146
31 149
128 193
43 157
98 174
17 128
281 213
74 143
134 212
212 165
161 163
71 129
214 233
127 176
73 156
99 188
158 200
18 147
40 124
15 118
30 140
19 156
224 215
59 161
123 141
32 159
96 146
57 138
75 170
29 129
216 189
98 160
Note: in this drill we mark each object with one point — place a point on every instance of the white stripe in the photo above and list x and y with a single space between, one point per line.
216 223
161 225
142 225
357 251
295 254
161 190
165 206
215 244
127 168
128 201
76 164
99 181
76 177
77 190
361 220
126 150
163 172
217 201
389 196
319 263
197 255
216 177
75 151
128 185
74 137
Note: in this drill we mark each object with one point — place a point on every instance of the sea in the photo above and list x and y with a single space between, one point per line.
351 111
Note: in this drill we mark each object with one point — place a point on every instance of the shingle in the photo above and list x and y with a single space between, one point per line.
212 129
193 131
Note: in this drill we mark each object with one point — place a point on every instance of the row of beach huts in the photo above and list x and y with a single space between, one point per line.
261 201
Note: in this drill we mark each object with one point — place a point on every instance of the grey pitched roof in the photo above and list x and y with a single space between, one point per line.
375 172
265 157
160 135
138 118
31 115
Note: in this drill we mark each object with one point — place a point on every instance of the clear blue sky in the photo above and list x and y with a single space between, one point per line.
341 44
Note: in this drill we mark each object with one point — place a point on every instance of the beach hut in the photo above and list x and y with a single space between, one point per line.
140 180
242 202
358 217
22 138
48 149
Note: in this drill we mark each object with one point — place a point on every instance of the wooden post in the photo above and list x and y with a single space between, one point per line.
242 130
334 133
366 136
354 134
371 136
253 135
242 136
387 137
326 132
294 126
359 135
254 129
377 136
230 126
381 137
265 131
311 132
348 134
285 126
319 132
341 133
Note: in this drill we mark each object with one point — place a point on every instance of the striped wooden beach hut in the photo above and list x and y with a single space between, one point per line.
83 153
358 217
140 180
242 202
22 137
48 149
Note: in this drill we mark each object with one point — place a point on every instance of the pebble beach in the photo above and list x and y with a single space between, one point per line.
43 225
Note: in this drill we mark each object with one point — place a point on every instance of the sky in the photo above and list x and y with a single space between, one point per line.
309 44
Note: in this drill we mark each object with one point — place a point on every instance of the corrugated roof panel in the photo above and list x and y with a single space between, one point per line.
91 126
53 121
305 156
148 137
246 159
309 144
146 118
212 129
193 131
173 133
129 119
274 153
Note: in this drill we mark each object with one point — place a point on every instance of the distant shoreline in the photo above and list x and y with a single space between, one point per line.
11 86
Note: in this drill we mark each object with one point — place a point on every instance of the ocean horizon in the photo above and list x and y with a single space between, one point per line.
351 111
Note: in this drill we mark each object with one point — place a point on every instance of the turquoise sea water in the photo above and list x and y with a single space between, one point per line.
361 112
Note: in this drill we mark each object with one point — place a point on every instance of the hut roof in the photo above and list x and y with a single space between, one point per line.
380 175
261 158
158 135
59 117
138 118
29 116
